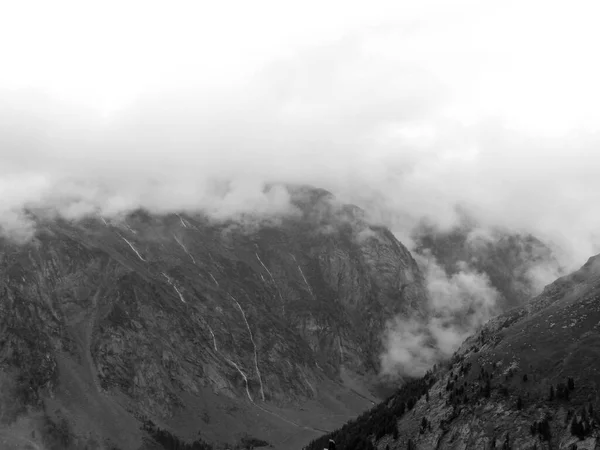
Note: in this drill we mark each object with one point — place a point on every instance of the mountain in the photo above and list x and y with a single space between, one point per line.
155 331
518 265
529 379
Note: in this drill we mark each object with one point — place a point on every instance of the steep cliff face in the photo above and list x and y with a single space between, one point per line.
218 329
526 380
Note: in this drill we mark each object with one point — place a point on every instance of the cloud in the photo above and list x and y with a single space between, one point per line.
411 110
458 305
534 264
403 114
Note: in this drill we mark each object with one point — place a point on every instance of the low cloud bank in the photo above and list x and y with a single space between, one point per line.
458 305
410 121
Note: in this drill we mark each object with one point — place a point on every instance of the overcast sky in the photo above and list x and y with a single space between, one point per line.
407 108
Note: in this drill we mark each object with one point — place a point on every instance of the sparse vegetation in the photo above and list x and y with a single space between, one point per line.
172 442
542 429
379 421
584 422
250 443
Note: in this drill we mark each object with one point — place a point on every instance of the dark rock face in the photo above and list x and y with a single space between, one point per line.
181 320
528 379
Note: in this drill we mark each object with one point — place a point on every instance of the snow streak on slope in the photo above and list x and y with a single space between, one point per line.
170 281
231 362
303 277
242 374
133 248
272 279
183 222
184 249
262 392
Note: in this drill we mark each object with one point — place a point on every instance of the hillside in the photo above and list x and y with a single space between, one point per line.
528 379
125 333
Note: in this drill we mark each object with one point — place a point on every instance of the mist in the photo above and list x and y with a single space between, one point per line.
458 305
408 112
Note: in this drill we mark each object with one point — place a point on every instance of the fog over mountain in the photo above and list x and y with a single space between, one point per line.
411 112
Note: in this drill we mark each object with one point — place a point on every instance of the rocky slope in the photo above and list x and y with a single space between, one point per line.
529 379
126 333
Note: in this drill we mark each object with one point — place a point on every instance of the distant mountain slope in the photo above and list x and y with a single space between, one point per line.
112 328
518 265
529 379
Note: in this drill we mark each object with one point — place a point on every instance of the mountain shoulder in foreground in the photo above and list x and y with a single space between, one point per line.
529 379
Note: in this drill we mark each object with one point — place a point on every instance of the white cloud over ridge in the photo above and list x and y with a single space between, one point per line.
407 109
